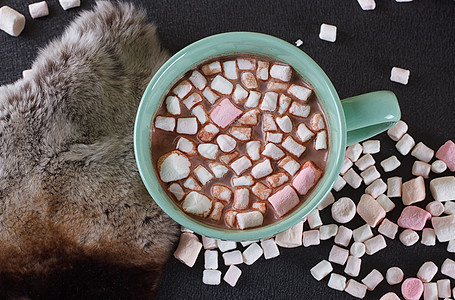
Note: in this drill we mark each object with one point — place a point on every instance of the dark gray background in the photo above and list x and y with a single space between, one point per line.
419 36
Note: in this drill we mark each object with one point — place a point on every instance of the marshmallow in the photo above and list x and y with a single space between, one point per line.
187 125
427 271
284 123
320 143
338 255
241 164
412 289
211 68
211 259
306 178
246 63
245 180
353 266
252 149
67 4
173 166
328 33
262 169
299 43
352 178
173 105
233 258
443 188
399 75
443 286
281 72
239 95
283 103
356 289
268 124
303 133
314 219
375 244
354 151
405 144
438 166
394 275
444 227
371 174
422 152
413 217
277 86
372 279
451 246
226 143
428 237
388 228
311 238
26 74
272 137
269 101
394 187
252 254
343 236
337 282
339 184
261 206
202 174
272 151
218 169
38 9
430 291
183 89
413 191
184 229
446 153
397 131
262 72
261 191
390 296
226 245
357 249
376 188
317 121
188 249
292 146
241 198
177 191
385 202
270 249
241 133
232 275
209 95
303 110
289 164
302 93
230 69
371 146
198 80
221 192
448 268
328 200
343 210
165 123
249 118
347 164
222 85
208 150
210 244
292 237
191 184
208 132
230 217
321 270
253 99
370 210
408 237
390 163
362 233
449 208
224 113
284 200
420 168
365 161
328 231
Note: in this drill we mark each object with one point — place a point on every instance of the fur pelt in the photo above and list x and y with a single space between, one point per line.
75 218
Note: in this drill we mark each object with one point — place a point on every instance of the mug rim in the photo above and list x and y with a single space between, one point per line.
233 43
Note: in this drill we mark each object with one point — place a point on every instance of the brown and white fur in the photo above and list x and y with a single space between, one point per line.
75 218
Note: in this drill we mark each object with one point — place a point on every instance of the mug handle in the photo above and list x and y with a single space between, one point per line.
370 114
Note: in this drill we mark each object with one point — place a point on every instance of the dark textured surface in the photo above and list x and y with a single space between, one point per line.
419 36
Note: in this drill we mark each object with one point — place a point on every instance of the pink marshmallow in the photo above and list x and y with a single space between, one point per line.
413 217
447 154
412 289
307 177
224 113
284 200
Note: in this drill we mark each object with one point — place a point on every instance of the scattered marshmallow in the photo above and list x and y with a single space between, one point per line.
252 254
420 168
211 260
372 279
449 208
371 146
249 118
321 270
306 178
362 233
422 152
371 174
375 244
289 164
283 103
448 268
337 282
427 271
177 190
444 227
269 101
222 85
224 113
184 229
268 123
400 75
284 123
446 153
221 192
261 191
317 120
38 9
376 188
443 287
187 125
272 151
357 249
262 169
230 218
413 217
353 265
241 198
245 180
390 296
165 123
253 99
173 166
299 43
328 231
233 258
284 200
343 237
239 95
328 33
218 169
183 89
211 68
197 204
252 149
246 63
365 161
428 237
188 249
314 219
388 229
303 110
241 133
430 291
339 184
209 95
370 210
303 133
273 137
230 69
394 275
328 200
241 164
413 191
405 144
356 289
311 238
208 132
320 143
438 166
270 249
277 86
173 105
443 188
412 288
293 147
226 245
338 255
290 238
343 210
191 184
300 92
347 164
208 150
385 202
281 72
394 187
232 275
210 244
226 142
198 80
408 237
199 112
354 151
397 131
262 72
352 178
260 206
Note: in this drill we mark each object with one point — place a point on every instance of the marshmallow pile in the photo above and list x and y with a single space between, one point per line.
241 128
428 216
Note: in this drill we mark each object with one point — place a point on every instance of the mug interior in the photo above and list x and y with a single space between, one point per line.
231 44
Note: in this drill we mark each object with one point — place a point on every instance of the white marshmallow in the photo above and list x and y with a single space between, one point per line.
328 200
38 9
422 152
328 33
233 258
449 208
226 143
321 270
339 184
281 72
377 188
252 254
249 118
272 137
443 188
354 151
209 95
338 255
397 131
343 210
252 149
371 146
277 86
240 94
199 112
394 275
230 69
182 89
343 237
438 167
232 275
427 271
314 219
448 268
262 169
356 289
269 102
357 249
188 249
173 166
292 237
293 147
241 133
272 151
261 191
270 248
375 244
371 174
218 169
320 143
317 122
405 144
400 75
211 68
253 99
337 282
385 202
311 238
202 174
198 80
388 228
290 165
420 168
451 246
67 4
353 265
246 63
408 237
191 184
347 164
249 219
268 124
303 133
435 208
262 71
208 150
184 229
299 43
222 85
352 178
226 245
428 237
192 100
241 198
444 227
211 259
362 233
444 290
303 110
217 211
300 92
390 163
173 105
430 291
284 123
394 187
283 103
26 74
165 123
364 162
328 231
177 191
245 180
187 125
373 279
241 164
210 244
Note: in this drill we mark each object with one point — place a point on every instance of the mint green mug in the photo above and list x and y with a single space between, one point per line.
349 121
